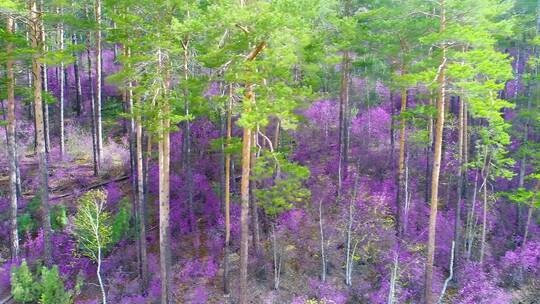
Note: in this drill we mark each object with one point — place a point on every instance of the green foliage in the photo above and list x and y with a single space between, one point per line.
52 287
26 224
49 289
287 187
59 217
120 225
28 221
24 287
92 224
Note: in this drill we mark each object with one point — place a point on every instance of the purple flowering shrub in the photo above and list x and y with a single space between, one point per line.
480 287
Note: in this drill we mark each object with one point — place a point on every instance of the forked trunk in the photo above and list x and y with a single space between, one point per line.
428 294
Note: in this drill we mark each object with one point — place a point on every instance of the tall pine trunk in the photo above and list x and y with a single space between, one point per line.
254 207
244 196
35 19
248 101
461 178
92 105
45 82
226 290
436 166
485 176
99 81
401 161
78 90
11 142
164 192
62 86
343 127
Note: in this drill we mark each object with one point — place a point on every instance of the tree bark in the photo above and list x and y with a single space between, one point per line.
254 207
99 81
187 137
143 270
45 81
461 178
35 20
95 153
226 291
401 161
244 196
343 108
248 101
436 166
62 85
11 142
529 214
78 95
485 175
164 195
323 253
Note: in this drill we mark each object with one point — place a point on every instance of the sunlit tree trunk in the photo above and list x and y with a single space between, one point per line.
461 151
485 175
45 82
529 214
143 269
92 105
401 161
343 109
99 81
436 166
11 142
62 85
164 190
35 20
187 137
323 251
244 196
248 101
254 207
226 291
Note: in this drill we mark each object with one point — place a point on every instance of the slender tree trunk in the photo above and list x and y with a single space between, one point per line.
137 183
323 253
62 86
343 108
187 136
461 145
485 175
78 95
248 101
35 19
401 161
45 82
244 196
349 251
529 214
429 150
277 258
12 142
98 273
227 197
392 129
469 238
143 269
436 167
99 81
92 107
254 207
164 197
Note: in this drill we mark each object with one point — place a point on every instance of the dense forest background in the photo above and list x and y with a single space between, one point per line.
257 151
